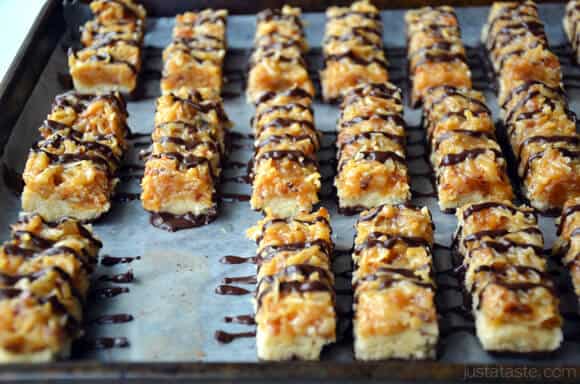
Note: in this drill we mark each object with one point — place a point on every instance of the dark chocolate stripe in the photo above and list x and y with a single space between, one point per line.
277 15
287 287
304 270
284 123
456 158
187 161
379 156
524 87
391 276
567 211
538 155
197 102
356 59
474 208
291 155
387 241
269 251
504 245
277 139
83 231
373 213
189 145
450 134
355 138
285 107
293 92
494 233
450 91
396 118
574 140
365 15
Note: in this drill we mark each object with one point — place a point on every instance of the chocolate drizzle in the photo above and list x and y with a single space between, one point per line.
171 222
474 208
227 337
566 212
379 156
456 158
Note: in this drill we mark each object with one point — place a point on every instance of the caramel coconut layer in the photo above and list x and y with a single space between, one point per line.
353 49
44 279
513 298
394 294
295 313
72 171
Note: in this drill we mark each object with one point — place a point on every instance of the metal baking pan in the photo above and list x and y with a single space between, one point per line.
157 323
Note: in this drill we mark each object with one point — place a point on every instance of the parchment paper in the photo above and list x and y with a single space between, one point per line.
172 299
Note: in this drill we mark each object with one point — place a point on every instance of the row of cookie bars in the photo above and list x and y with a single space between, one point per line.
70 175
514 300
464 153
352 49
183 165
284 171
537 120
44 279
110 59
295 300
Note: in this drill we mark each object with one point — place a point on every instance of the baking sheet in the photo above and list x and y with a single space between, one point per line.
172 300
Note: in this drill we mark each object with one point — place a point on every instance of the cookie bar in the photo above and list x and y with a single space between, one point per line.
371 148
394 292
44 279
277 63
72 171
468 162
284 173
436 55
295 313
570 22
567 245
183 166
110 59
513 298
195 57
352 48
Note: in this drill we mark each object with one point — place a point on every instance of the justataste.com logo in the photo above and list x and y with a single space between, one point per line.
520 372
